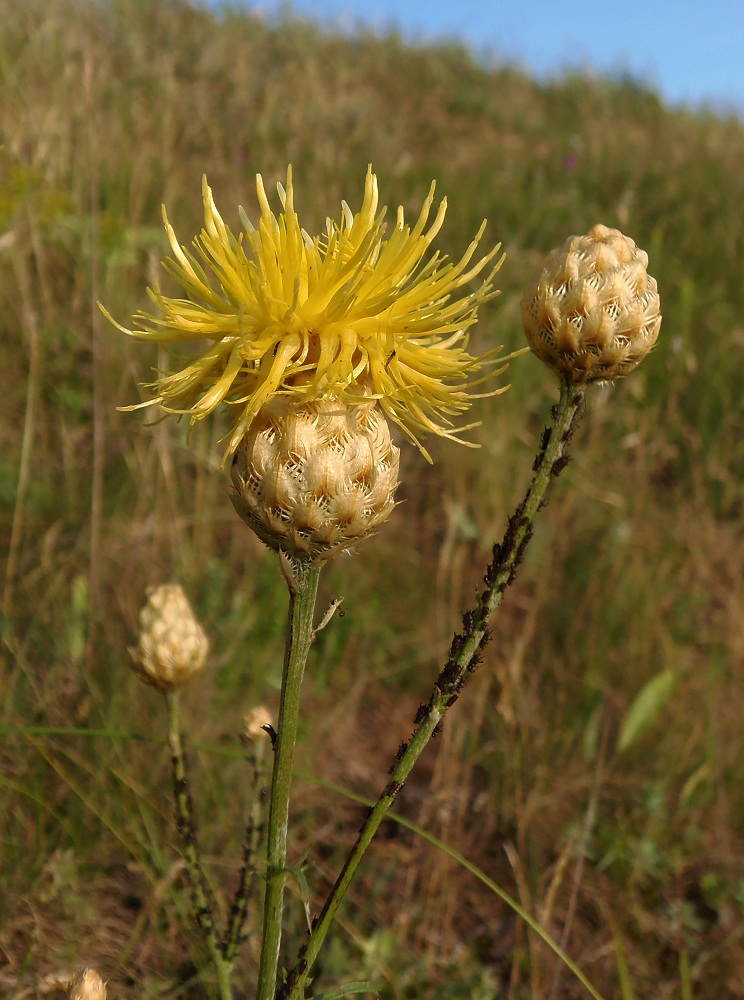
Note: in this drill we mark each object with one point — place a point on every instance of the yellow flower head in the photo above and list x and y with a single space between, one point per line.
348 315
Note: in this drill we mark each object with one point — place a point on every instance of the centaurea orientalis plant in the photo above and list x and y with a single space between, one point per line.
314 345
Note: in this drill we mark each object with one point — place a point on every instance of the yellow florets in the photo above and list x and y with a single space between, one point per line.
349 315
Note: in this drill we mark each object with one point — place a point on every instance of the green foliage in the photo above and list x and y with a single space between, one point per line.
650 701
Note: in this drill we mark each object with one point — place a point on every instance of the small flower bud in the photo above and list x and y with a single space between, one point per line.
86 985
312 479
254 722
172 644
593 313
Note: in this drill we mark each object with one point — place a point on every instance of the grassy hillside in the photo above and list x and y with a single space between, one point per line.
630 853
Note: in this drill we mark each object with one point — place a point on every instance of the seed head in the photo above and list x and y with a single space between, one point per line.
172 644
593 312
86 985
313 479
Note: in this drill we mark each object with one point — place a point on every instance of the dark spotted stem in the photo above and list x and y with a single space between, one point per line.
235 934
200 894
464 656
302 582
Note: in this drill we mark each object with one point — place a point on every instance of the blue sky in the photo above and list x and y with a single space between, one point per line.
692 51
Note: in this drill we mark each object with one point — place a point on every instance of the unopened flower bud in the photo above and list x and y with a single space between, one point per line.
315 478
86 985
255 723
593 313
172 644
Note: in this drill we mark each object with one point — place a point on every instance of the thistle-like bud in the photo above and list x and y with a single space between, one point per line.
593 313
313 479
256 722
86 985
172 644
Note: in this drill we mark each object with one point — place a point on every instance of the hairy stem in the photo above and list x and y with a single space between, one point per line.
464 656
302 581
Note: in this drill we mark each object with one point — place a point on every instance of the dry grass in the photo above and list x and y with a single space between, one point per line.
633 858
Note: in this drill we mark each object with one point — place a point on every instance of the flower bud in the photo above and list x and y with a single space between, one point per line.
172 644
86 985
312 479
255 721
593 313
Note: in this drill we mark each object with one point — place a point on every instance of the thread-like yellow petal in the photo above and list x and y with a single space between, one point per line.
348 314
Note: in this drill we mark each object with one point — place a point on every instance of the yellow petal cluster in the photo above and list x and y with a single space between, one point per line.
350 315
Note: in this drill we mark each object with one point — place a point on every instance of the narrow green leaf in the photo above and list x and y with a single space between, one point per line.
300 878
347 990
626 987
645 707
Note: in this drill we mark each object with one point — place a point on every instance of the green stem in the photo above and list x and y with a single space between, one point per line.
302 580
463 659
200 893
235 936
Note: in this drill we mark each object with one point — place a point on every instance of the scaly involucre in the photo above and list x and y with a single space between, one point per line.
349 315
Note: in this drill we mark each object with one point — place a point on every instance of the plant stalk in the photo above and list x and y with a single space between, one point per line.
302 582
234 936
464 656
200 892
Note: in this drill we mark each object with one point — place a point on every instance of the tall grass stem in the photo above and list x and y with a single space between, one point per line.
98 399
33 388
